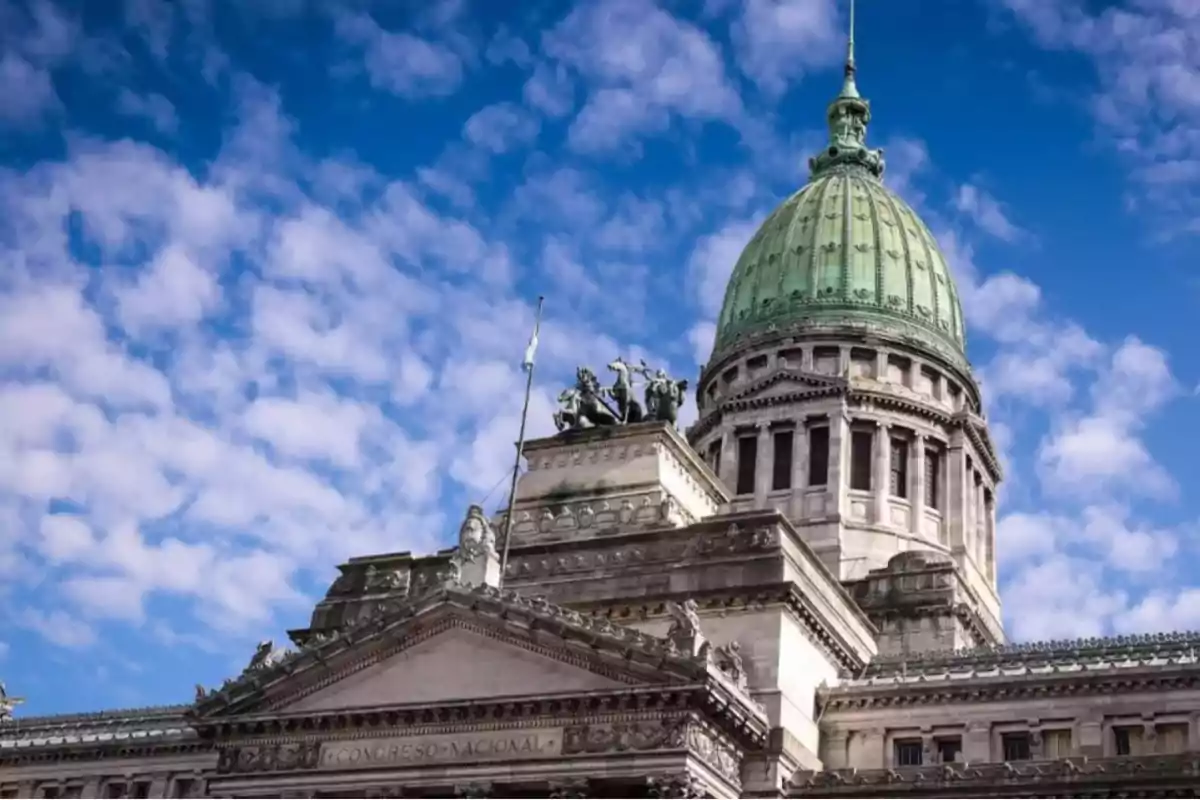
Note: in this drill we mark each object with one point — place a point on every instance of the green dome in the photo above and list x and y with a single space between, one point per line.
844 251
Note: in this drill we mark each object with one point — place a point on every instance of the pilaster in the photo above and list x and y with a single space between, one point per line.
881 473
916 469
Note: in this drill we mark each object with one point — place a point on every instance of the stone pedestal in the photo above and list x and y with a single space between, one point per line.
592 482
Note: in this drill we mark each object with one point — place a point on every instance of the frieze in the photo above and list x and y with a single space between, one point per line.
731 541
277 757
457 748
681 785
615 737
716 751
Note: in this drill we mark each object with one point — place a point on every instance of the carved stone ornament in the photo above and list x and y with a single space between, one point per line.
577 787
265 657
8 703
728 659
624 736
385 580
279 757
682 786
684 632
476 538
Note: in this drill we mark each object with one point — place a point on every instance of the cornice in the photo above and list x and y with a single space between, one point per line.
1005 686
1136 650
1070 777
59 752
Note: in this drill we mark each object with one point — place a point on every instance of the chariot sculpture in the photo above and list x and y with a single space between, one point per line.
588 404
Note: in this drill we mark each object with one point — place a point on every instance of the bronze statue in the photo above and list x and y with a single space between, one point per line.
586 403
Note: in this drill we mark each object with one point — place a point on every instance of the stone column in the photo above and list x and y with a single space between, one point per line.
806 358
881 366
957 498
763 468
728 471
800 463
882 471
837 483
917 484
843 360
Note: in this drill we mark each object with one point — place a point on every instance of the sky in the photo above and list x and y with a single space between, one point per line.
268 270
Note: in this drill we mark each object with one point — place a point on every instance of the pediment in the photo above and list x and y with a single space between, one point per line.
454 643
461 662
786 382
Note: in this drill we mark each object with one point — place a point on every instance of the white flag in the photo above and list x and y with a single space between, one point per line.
531 350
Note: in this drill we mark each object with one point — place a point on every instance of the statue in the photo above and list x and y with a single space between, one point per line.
685 632
664 396
8 703
585 404
385 580
201 693
729 661
628 408
265 656
476 538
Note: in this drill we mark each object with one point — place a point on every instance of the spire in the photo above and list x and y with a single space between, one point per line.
847 118
849 89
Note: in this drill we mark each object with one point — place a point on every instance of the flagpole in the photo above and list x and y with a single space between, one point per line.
512 489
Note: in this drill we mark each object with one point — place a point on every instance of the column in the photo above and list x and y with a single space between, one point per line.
916 483
806 358
763 465
800 464
838 483
957 498
728 470
882 472
843 367
881 366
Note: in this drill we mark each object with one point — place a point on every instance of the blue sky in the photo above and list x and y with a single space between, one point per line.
267 276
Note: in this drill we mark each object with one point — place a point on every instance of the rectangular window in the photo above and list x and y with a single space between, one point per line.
949 750
115 790
747 460
909 752
1172 738
860 460
933 475
1127 740
1016 746
898 475
714 456
141 789
182 788
781 473
50 792
1056 744
818 456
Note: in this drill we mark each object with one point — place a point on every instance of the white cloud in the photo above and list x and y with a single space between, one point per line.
500 127
986 212
401 62
643 66
152 107
779 40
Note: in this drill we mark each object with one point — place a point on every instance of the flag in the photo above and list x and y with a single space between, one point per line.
531 350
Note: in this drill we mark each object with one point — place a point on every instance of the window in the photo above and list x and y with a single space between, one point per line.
1171 737
50 791
8 792
747 457
949 750
141 789
818 456
1127 740
933 474
714 456
183 787
1015 746
898 475
860 460
73 791
909 752
114 790
1056 744
781 474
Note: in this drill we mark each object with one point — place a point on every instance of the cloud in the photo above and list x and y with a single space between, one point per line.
400 62
1147 101
779 40
500 127
986 212
154 108
643 67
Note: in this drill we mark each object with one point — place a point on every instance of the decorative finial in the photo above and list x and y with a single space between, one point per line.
847 118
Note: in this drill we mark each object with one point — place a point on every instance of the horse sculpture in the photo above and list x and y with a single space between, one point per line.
628 408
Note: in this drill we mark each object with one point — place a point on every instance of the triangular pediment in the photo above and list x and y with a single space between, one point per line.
455 643
461 662
786 382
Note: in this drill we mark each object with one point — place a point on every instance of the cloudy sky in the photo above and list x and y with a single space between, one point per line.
266 277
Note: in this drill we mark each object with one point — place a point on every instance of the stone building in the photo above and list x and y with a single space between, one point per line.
798 599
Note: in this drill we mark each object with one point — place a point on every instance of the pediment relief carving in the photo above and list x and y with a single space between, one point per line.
786 382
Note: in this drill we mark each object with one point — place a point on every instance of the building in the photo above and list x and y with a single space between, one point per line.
797 600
